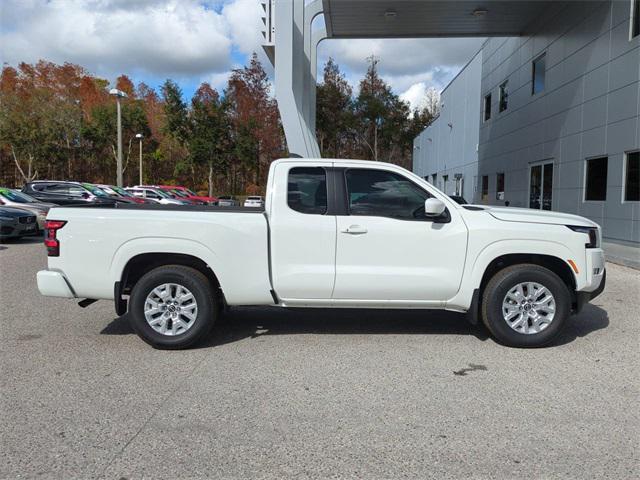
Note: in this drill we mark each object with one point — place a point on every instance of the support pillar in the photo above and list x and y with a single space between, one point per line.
295 73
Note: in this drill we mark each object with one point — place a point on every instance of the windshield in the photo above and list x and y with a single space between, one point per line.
95 190
191 192
121 191
161 193
14 196
180 194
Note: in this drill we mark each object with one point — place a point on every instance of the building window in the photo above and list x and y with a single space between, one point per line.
596 179
632 177
487 107
504 95
635 18
539 68
485 188
500 186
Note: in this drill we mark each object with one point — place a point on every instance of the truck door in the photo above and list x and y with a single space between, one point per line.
303 231
387 249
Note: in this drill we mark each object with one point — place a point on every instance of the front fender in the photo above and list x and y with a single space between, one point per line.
473 276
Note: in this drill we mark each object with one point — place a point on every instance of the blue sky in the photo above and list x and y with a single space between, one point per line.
192 41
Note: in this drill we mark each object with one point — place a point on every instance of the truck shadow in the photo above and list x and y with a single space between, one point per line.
242 323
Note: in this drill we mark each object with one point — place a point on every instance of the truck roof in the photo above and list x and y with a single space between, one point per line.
335 160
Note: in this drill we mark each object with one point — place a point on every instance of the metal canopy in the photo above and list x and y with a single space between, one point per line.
428 18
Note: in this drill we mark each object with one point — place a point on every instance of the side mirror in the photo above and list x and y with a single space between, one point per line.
433 207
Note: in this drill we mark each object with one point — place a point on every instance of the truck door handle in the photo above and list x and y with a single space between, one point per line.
354 230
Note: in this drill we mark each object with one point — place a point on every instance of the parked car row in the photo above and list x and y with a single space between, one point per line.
74 193
38 196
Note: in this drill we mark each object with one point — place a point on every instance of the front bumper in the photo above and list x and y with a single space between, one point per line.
54 284
17 229
583 298
594 263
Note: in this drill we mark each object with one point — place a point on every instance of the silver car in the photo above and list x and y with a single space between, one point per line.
15 198
156 195
227 201
254 201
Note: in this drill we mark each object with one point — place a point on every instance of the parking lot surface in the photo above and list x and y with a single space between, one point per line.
313 394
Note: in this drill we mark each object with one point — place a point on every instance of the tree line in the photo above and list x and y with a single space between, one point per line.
59 122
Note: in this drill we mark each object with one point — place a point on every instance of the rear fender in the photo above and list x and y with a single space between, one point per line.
140 246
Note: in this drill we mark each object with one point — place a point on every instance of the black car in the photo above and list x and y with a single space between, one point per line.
67 193
17 222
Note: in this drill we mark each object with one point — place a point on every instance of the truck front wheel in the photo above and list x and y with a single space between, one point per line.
172 307
525 305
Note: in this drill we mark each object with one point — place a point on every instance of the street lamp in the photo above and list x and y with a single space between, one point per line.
119 94
139 136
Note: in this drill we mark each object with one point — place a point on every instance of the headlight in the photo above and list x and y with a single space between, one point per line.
592 232
6 219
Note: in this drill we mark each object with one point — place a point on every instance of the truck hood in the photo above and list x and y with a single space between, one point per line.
529 215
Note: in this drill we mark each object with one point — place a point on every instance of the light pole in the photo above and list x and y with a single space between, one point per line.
139 136
119 94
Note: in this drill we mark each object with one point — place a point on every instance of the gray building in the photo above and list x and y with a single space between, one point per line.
557 116
446 153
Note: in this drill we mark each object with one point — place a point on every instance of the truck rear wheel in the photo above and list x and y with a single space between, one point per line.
172 307
525 305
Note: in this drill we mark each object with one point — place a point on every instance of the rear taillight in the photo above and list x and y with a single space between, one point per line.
52 243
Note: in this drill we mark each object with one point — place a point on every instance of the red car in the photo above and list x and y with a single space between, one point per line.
185 193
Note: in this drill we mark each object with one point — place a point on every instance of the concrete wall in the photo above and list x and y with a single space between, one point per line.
590 107
449 145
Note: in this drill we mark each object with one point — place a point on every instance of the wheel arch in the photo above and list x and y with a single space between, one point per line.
140 264
556 265
503 253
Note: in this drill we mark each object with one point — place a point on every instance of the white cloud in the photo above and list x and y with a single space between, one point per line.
198 39
405 64
243 18
414 95
167 37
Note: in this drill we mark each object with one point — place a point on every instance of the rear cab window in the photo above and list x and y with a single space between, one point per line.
307 190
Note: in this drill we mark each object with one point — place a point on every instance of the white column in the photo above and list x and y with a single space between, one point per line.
293 75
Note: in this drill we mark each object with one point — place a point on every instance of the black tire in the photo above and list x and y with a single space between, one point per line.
498 287
201 288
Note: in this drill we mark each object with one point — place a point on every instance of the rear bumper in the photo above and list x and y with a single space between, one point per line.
54 284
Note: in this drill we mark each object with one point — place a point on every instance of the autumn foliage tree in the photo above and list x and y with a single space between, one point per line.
209 137
59 122
256 131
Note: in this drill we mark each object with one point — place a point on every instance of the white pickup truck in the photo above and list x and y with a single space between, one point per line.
332 234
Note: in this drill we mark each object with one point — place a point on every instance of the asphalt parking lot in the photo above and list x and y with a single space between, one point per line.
313 394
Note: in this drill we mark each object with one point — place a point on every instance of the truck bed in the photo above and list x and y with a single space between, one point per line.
186 208
96 244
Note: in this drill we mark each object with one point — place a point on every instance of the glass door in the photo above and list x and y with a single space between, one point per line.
541 186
